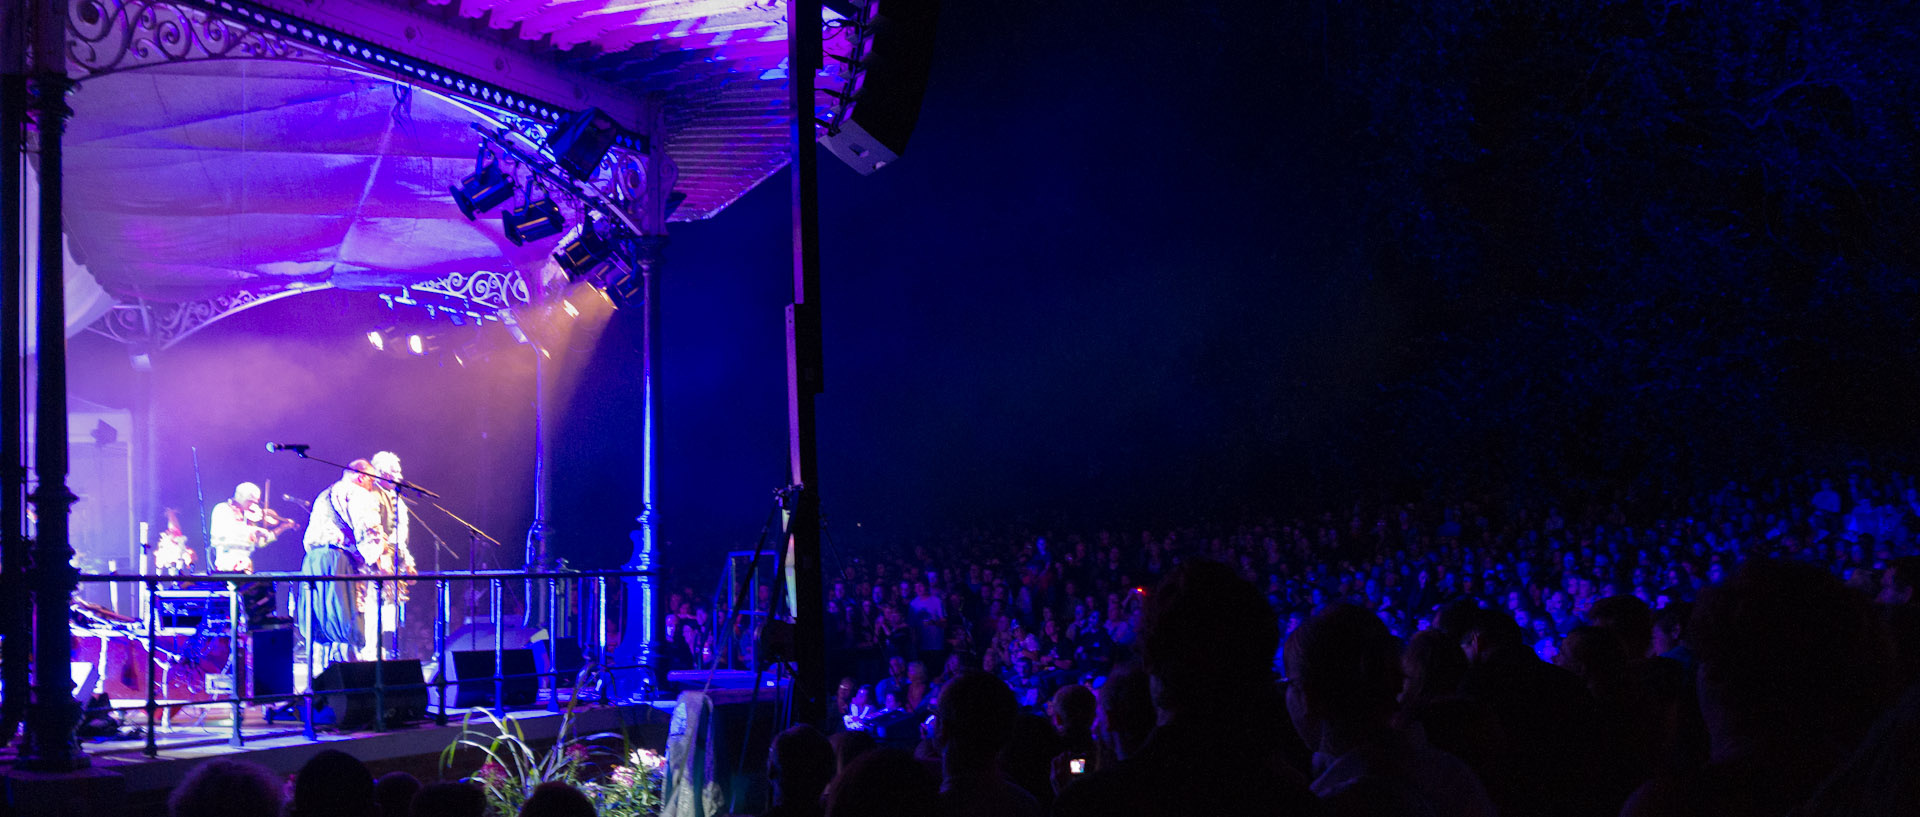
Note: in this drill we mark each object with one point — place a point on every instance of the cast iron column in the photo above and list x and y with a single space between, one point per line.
647 256
53 716
803 370
533 613
16 613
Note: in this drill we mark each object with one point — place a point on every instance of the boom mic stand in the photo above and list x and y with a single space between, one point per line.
474 535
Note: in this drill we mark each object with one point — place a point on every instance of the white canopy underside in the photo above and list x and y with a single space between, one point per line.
196 180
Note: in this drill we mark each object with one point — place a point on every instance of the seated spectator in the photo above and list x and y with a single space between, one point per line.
976 717
884 783
1125 716
226 788
861 711
1793 668
1555 759
333 784
450 800
1346 679
1027 759
1209 641
1432 709
395 791
1072 711
800 764
556 799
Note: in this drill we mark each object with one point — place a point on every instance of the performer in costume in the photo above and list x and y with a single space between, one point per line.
397 558
239 526
343 536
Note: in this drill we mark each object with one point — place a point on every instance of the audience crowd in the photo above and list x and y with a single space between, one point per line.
1753 650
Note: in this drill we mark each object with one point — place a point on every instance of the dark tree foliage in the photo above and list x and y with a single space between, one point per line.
1637 240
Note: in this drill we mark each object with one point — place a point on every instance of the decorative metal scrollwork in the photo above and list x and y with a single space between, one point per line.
159 326
487 290
104 36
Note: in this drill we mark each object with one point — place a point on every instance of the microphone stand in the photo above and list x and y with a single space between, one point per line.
399 485
474 535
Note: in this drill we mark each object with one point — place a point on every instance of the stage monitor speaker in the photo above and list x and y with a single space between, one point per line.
405 694
886 105
271 661
566 653
470 679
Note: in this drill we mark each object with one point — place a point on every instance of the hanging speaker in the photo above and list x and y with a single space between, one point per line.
886 104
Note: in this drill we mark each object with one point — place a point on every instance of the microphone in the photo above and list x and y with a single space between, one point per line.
296 448
295 500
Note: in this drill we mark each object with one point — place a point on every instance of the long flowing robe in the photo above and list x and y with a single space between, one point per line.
343 526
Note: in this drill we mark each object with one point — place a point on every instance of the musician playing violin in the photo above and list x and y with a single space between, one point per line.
241 525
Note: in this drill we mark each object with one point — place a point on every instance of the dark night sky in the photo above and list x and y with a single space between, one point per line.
1083 290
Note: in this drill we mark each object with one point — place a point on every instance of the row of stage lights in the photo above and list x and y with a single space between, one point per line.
577 146
539 326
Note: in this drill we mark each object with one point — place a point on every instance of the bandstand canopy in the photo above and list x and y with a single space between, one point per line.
196 170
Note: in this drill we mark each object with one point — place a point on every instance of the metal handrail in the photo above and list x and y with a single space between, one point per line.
594 652
358 577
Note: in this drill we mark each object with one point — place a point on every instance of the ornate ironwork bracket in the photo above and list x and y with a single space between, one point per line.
158 326
479 295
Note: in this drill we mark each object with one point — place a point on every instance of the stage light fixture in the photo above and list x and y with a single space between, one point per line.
533 220
582 140
624 289
379 342
584 253
416 344
485 189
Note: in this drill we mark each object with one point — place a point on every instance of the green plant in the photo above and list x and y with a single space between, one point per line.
513 767
632 789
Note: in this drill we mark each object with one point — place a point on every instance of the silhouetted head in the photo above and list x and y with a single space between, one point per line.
1596 655
800 764
1433 665
395 791
1785 649
1209 639
227 788
885 783
450 800
1126 715
1492 633
1073 709
976 714
556 799
333 784
1629 619
1345 669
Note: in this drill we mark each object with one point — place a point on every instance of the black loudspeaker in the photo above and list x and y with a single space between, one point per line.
405 694
567 655
470 678
271 660
886 104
